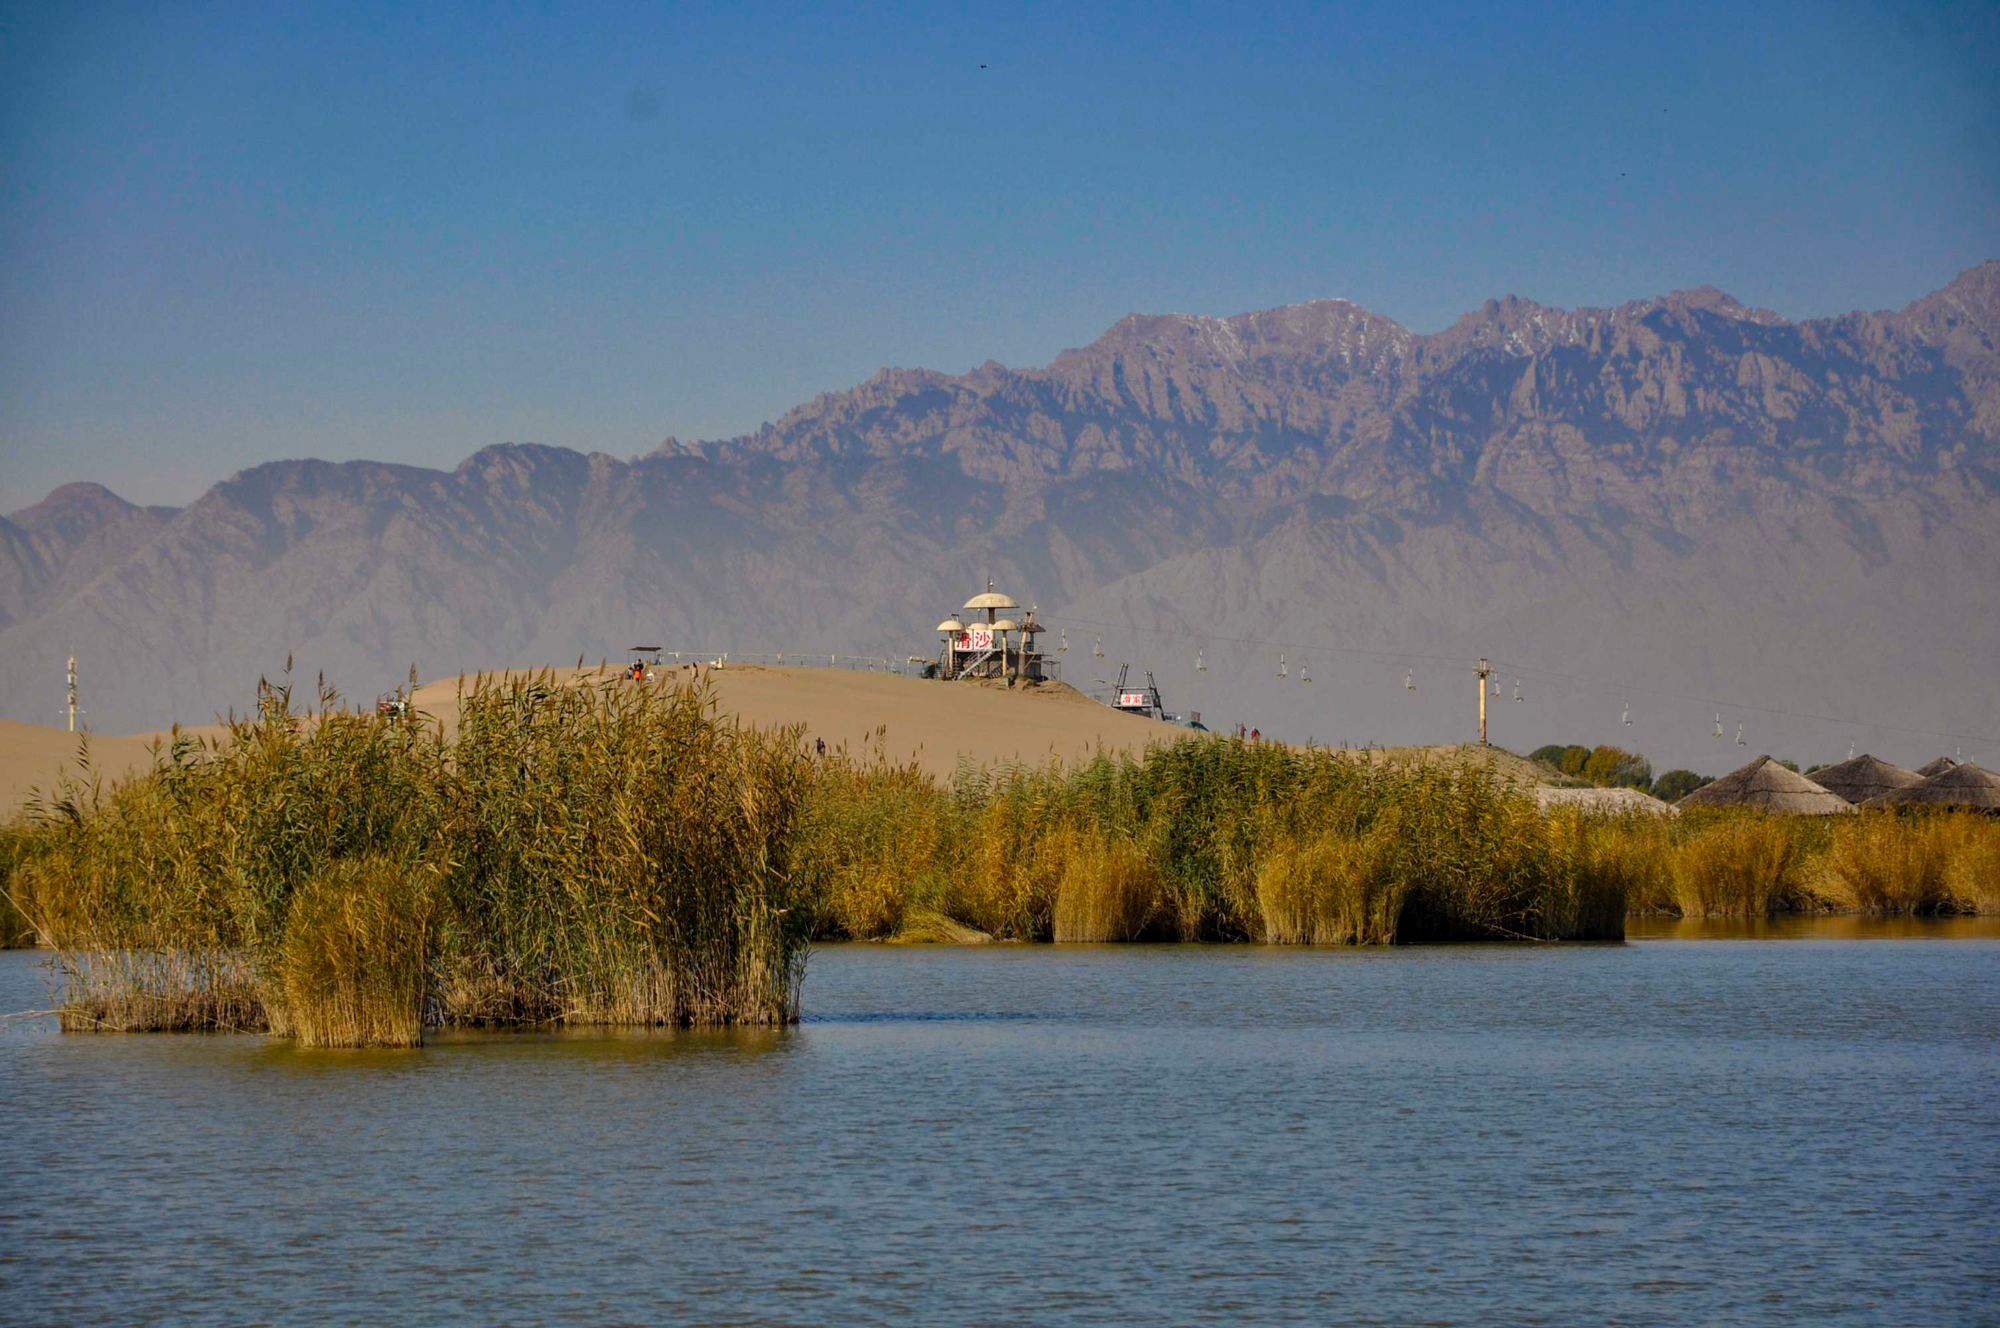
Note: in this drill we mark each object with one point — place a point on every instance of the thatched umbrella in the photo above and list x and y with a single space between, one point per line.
1769 787
1860 778
1965 785
1937 767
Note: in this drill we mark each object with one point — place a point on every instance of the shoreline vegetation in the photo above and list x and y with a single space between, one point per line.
603 854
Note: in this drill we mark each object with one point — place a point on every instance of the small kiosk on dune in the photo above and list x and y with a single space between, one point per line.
989 642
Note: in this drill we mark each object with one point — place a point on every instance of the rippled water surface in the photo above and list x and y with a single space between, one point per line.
1800 1128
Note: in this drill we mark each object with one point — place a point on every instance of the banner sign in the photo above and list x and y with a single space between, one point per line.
1134 701
974 638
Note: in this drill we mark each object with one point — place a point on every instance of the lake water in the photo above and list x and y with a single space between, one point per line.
1797 1129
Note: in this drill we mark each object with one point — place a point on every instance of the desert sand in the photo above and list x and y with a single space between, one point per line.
939 725
32 757
936 724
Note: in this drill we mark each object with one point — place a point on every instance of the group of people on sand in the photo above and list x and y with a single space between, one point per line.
639 671
1251 735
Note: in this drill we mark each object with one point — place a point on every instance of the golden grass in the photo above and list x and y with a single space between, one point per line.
353 965
1205 840
593 854
1914 862
16 842
1739 864
1972 862
596 853
1332 889
1110 890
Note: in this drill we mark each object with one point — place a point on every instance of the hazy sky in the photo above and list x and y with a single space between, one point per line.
235 233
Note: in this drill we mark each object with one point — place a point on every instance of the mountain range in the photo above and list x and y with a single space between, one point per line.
1676 509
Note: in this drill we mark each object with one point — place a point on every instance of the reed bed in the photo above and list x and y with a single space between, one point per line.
17 841
1210 840
593 853
1750 864
598 853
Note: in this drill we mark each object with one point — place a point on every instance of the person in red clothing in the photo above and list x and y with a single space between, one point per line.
1255 736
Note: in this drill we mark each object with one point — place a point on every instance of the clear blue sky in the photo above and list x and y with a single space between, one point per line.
235 233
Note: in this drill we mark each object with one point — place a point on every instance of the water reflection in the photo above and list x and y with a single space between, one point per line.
1654 1134
1813 927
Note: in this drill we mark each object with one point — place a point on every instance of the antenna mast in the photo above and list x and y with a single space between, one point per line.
1485 671
72 693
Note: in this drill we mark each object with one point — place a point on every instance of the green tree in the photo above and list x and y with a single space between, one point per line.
1613 767
1677 784
1550 755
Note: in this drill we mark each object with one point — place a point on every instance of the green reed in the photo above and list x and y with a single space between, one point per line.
1209 839
595 853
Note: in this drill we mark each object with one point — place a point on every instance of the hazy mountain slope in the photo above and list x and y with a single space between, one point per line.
50 550
1681 493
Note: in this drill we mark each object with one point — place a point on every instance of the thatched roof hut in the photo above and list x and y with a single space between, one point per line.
1966 785
1937 767
1860 778
1768 787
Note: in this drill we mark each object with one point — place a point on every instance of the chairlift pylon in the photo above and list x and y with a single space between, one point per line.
1282 671
1517 689
1409 680
1718 725
1626 718
1200 665
1739 733
1097 646
1063 647
1305 672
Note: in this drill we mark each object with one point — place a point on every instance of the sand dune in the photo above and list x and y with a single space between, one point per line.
937 724
32 756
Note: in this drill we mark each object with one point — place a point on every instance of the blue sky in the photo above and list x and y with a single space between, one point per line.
235 233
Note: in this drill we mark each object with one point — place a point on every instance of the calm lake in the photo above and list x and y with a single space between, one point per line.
1797 1127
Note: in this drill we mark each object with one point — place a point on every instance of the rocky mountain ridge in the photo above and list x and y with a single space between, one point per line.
1682 494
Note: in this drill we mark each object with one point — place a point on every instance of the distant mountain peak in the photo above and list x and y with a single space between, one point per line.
80 496
1711 300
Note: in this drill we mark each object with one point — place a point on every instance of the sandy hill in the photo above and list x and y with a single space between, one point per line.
936 724
32 756
939 725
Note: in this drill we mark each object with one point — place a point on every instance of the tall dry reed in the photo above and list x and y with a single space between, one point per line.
353 967
593 852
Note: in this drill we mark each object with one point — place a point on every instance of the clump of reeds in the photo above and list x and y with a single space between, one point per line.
1913 862
1740 864
594 852
1622 857
1110 890
353 966
1972 861
1202 840
876 841
16 841
1332 888
185 990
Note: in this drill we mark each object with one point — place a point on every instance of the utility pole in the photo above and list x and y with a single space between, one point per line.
72 693
1485 672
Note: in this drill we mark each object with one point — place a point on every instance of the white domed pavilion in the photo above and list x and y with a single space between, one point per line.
987 640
